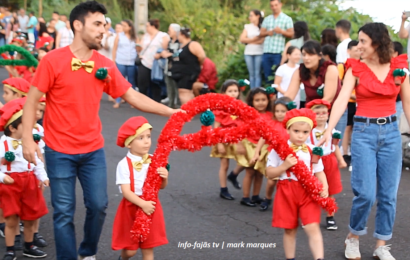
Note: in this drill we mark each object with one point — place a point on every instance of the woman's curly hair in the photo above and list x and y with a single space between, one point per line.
381 40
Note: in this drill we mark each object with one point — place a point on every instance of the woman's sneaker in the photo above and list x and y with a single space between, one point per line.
383 253
352 249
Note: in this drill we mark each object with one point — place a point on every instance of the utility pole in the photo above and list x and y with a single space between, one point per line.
140 15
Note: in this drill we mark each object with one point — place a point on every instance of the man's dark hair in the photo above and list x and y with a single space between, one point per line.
55 12
15 124
352 44
81 11
32 12
398 47
345 25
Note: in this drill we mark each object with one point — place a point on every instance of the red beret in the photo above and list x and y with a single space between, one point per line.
299 113
9 110
318 102
131 128
18 85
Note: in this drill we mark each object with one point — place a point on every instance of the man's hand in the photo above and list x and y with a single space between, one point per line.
278 30
30 148
326 139
8 180
148 207
290 161
271 32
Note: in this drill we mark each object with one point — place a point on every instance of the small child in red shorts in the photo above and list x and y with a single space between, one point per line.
135 134
20 192
292 201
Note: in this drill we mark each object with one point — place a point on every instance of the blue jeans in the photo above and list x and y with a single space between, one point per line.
63 170
376 162
399 111
254 64
128 72
268 60
341 125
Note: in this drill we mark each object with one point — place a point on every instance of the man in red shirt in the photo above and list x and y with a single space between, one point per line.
207 77
73 128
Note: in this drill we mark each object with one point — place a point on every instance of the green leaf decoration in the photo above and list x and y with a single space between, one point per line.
36 137
243 82
291 105
9 156
337 135
28 60
317 151
271 90
101 73
168 167
399 73
207 118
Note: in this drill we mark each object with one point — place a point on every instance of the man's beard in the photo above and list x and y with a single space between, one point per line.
92 45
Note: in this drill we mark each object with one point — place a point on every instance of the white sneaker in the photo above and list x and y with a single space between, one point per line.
350 168
382 253
352 249
87 257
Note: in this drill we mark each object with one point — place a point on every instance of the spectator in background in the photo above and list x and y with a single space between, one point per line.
254 47
58 23
124 54
63 18
299 38
2 27
31 26
52 31
44 39
404 32
207 78
398 50
329 53
65 36
276 28
328 36
23 21
343 34
107 42
110 29
11 29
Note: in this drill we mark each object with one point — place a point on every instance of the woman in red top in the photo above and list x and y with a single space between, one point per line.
44 39
376 142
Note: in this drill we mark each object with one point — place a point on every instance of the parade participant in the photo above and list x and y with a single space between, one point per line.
225 151
332 157
377 150
73 128
259 99
15 88
279 110
20 193
292 201
135 134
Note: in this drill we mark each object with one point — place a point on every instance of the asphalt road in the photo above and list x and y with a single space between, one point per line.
194 212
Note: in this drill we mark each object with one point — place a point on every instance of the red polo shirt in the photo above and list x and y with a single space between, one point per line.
71 121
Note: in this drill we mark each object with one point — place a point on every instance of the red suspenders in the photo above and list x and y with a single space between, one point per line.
131 169
6 147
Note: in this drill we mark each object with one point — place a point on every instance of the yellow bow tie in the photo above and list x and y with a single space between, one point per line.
138 165
15 144
233 117
319 135
297 148
76 64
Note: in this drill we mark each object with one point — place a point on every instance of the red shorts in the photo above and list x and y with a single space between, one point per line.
332 172
23 198
291 203
124 219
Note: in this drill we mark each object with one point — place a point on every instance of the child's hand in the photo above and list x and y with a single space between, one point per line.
290 161
254 159
148 207
8 180
46 183
324 193
342 164
221 149
162 172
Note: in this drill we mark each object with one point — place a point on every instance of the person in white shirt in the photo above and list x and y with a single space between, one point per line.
23 21
343 34
65 36
60 24
107 42
404 32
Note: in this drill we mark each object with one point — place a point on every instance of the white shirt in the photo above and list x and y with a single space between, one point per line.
23 21
274 160
286 73
328 149
20 164
123 173
66 38
251 32
110 43
341 51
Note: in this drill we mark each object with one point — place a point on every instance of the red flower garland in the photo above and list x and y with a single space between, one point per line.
170 140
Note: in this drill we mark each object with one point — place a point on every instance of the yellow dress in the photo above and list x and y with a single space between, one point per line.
226 120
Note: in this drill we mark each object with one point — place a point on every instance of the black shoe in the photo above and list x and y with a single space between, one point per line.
247 202
233 179
348 159
10 256
331 223
2 227
226 195
18 245
39 241
34 252
257 199
265 205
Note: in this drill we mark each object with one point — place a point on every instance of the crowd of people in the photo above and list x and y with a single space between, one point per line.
324 90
